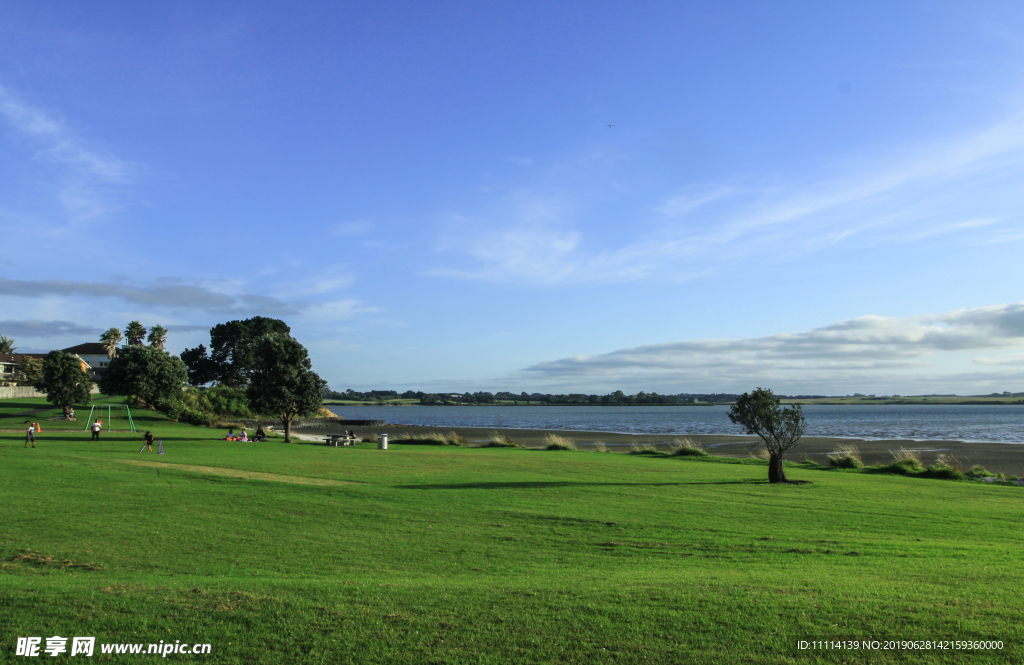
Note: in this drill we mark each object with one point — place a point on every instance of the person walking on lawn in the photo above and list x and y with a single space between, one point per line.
96 427
31 435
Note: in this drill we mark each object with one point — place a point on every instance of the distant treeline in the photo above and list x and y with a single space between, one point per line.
617 398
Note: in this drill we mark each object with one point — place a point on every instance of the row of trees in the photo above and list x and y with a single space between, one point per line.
257 368
134 334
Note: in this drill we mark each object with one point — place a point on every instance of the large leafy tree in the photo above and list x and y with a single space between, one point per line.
110 340
282 381
146 374
7 345
779 429
231 358
157 337
64 380
201 368
135 333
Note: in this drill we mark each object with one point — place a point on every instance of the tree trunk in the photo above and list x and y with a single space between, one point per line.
776 473
287 429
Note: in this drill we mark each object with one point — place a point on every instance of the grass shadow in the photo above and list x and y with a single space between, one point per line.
558 483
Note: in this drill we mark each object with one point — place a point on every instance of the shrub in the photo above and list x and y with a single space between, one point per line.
846 457
498 440
600 448
902 467
944 472
978 471
370 438
431 439
225 401
644 449
687 447
555 442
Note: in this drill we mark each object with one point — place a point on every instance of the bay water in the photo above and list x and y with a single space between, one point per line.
968 422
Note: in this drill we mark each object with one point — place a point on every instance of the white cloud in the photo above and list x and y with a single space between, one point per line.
902 352
85 174
894 200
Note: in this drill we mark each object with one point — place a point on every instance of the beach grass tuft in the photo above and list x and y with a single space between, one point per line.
432 439
684 446
555 442
498 440
846 457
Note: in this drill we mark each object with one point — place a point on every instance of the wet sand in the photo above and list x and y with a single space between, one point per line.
1007 458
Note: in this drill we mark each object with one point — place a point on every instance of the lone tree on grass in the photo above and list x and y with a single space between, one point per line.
64 380
761 413
146 374
282 381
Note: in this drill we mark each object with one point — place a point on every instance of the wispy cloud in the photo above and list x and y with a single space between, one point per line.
84 173
171 294
867 348
36 329
902 198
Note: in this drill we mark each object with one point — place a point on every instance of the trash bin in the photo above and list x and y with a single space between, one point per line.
382 442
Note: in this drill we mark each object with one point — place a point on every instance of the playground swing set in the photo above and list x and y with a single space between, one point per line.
110 407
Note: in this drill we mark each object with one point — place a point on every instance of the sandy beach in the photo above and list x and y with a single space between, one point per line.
996 457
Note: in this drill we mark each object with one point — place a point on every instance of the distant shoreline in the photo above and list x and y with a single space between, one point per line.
923 401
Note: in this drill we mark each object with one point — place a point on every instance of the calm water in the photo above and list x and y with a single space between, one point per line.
965 423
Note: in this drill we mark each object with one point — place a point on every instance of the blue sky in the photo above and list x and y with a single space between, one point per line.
806 197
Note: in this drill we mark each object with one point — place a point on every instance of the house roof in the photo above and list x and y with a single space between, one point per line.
89 348
15 358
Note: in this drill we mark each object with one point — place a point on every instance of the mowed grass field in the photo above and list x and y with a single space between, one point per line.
278 553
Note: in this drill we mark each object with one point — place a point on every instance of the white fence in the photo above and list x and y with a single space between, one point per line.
9 392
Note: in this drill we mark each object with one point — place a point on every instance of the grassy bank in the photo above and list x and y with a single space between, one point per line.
295 553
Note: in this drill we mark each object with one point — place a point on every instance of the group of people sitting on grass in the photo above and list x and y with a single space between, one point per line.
242 436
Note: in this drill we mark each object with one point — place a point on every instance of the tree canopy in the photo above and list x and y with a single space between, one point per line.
144 373
761 413
230 360
7 345
134 333
64 380
110 339
30 370
282 381
157 337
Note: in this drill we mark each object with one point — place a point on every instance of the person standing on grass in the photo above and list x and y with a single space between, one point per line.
96 427
31 435
149 442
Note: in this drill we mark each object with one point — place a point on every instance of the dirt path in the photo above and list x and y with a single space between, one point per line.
236 473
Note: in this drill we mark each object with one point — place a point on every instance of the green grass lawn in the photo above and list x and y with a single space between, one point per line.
297 553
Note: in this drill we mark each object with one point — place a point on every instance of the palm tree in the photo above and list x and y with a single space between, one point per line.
7 345
135 332
157 337
110 340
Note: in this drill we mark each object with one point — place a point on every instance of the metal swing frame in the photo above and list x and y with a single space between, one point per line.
110 407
